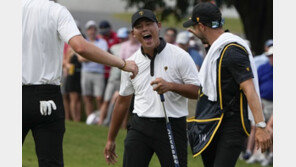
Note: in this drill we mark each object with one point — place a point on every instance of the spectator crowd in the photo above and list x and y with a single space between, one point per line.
93 88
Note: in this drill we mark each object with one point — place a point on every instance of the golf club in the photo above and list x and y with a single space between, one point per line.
170 134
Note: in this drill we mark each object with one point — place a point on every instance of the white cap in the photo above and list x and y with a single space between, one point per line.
269 52
90 23
122 32
182 37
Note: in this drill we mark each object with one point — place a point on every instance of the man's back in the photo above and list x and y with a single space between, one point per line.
45 27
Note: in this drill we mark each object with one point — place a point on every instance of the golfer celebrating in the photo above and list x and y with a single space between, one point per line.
163 69
46 26
230 61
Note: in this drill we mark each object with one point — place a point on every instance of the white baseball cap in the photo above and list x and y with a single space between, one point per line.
269 52
182 37
90 23
122 32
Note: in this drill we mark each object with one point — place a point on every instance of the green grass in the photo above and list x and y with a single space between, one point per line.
233 24
84 145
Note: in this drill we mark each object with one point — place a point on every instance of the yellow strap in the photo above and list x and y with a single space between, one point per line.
195 155
219 70
242 114
203 120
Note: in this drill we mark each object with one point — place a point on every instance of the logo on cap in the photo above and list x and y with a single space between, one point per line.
197 19
141 13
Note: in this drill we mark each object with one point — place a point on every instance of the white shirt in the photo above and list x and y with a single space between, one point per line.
45 27
172 64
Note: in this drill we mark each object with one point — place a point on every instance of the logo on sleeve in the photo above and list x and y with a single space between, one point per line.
248 68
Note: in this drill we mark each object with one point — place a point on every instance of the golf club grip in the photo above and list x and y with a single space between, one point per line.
173 146
161 97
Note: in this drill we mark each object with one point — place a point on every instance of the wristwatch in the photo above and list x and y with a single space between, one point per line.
261 125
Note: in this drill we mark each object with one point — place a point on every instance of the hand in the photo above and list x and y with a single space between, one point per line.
262 139
46 107
131 66
109 152
161 86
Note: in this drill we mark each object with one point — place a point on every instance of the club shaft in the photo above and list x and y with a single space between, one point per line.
170 134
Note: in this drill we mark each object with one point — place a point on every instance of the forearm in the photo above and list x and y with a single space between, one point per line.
253 100
186 90
93 53
98 55
120 109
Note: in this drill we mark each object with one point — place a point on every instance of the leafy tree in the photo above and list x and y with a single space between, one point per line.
256 15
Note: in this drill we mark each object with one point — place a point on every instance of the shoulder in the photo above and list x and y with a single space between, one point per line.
235 48
234 53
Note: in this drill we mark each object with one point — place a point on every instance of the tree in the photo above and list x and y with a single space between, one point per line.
256 16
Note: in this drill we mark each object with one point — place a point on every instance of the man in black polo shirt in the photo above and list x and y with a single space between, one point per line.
237 72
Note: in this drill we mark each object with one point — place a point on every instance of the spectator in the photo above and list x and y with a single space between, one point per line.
73 86
170 35
114 79
262 59
106 32
92 76
129 47
183 42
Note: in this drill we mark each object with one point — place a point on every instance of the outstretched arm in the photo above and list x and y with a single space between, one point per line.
93 53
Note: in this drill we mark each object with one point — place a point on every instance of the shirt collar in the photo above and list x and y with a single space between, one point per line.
157 50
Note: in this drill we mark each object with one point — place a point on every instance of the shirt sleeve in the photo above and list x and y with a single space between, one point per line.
126 86
67 27
188 70
236 60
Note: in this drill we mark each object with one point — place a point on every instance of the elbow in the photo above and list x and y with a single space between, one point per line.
80 49
194 94
79 45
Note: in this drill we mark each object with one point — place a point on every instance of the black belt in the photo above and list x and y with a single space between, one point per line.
157 119
41 87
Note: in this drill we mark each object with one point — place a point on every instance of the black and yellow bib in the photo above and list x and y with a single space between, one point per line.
209 115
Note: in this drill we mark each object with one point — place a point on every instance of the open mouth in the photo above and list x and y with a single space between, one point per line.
147 37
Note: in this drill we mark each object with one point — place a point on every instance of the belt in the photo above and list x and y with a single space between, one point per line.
157 119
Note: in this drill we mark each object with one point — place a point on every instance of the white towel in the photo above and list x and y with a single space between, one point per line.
208 71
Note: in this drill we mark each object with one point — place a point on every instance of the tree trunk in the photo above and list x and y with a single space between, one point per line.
257 18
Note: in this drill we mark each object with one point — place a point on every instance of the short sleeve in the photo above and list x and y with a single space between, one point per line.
126 86
188 70
67 27
236 60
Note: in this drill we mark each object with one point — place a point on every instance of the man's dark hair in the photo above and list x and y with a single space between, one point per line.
172 29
